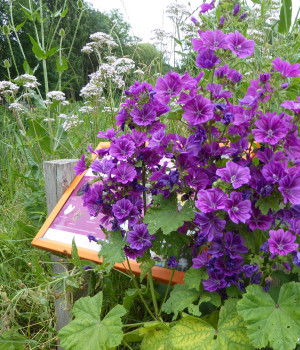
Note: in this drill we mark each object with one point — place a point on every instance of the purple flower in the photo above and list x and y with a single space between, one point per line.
249 270
80 167
216 281
236 9
198 110
92 238
282 242
221 22
271 129
210 225
235 174
103 167
207 7
273 172
222 71
168 87
285 85
122 208
143 117
92 199
122 148
296 259
172 262
207 59
139 138
285 68
239 45
197 178
229 266
267 156
234 245
109 134
292 105
133 253
214 40
211 200
292 146
260 221
234 76
124 173
194 20
139 238
256 278
217 92
201 260
238 209
243 15
289 187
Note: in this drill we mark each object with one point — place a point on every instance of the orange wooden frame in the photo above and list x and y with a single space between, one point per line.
160 274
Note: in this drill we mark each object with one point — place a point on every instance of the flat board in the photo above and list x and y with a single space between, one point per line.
70 219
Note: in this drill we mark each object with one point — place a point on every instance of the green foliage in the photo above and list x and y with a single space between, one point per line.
164 214
170 245
156 340
285 18
269 321
193 333
269 202
112 251
194 277
88 331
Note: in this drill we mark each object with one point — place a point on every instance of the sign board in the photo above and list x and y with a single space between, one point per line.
70 219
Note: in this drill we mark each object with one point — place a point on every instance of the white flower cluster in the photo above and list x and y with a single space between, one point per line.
139 71
56 95
8 88
110 110
99 40
28 81
91 90
177 11
70 121
17 107
86 109
87 49
49 120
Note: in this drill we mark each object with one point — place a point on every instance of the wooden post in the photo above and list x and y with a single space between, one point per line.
59 174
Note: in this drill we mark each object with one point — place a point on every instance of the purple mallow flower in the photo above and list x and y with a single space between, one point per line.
259 221
168 87
234 76
122 148
270 129
139 238
109 134
229 266
143 117
214 40
236 9
172 262
207 7
198 110
282 242
211 200
239 45
80 167
124 173
238 210
194 20
235 174
285 68
201 260
289 187
243 15
216 281
292 105
104 166
249 270
273 172
207 59
210 225
122 208
221 22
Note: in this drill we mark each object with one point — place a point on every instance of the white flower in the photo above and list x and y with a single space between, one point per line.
17 107
6 87
103 39
63 116
139 71
49 120
56 95
28 81
86 109
87 49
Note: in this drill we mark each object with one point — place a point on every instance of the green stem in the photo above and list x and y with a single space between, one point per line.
12 54
128 346
14 30
74 37
138 290
150 279
167 292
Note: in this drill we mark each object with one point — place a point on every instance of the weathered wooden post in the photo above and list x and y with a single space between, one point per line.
59 174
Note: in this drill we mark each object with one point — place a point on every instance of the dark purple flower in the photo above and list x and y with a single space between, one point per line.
198 110
273 172
234 76
80 167
271 129
133 253
236 9
216 281
239 45
214 40
217 92
124 173
207 7
139 138
267 156
259 221
296 259
285 85
143 117
86 268
211 200
222 71
256 278
139 238
243 15
194 20
238 209
292 105
295 225
221 22
249 270
172 262
120 118
168 87
122 208
282 242
197 178
109 134
234 245
201 260
264 247
92 238
104 166
92 199
285 68
292 146
264 77
210 225
229 266
235 174
122 148
289 187
207 59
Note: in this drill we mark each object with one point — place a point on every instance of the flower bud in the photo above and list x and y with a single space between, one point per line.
6 30
80 4
236 9
7 64
62 32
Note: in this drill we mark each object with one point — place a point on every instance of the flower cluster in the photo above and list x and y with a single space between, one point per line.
236 164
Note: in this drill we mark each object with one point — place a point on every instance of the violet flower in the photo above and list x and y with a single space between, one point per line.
80 167
201 260
292 105
198 110
229 266
238 210
243 15
215 282
194 20
222 71
259 221
207 6
249 270
124 173
285 68
122 148
221 22
234 76
282 242
214 40
289 187
211 200
210 225
143 117
108 134
239 45
236 9
273 172
139 238
207 59
172 262
234 174
122 208
168 87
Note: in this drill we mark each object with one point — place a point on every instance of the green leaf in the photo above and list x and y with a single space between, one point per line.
146 267
27 69
193 278
51 52
61 66
269 202
87 331
36 49
112 251
12 341
156 340
65 11
171 245
268 322
180 298
218 13
130 295
191 333
19 26
75 257
285 18
163 214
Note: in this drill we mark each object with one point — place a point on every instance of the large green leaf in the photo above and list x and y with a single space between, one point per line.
156 340
36 49
87 331
192 333
285 18
171 245
267 321
112 251
163 214
193 278
269 202
180 298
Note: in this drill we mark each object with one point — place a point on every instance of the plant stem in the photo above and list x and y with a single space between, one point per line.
167 292
144 184
74 37
138 289
150 279
12 54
